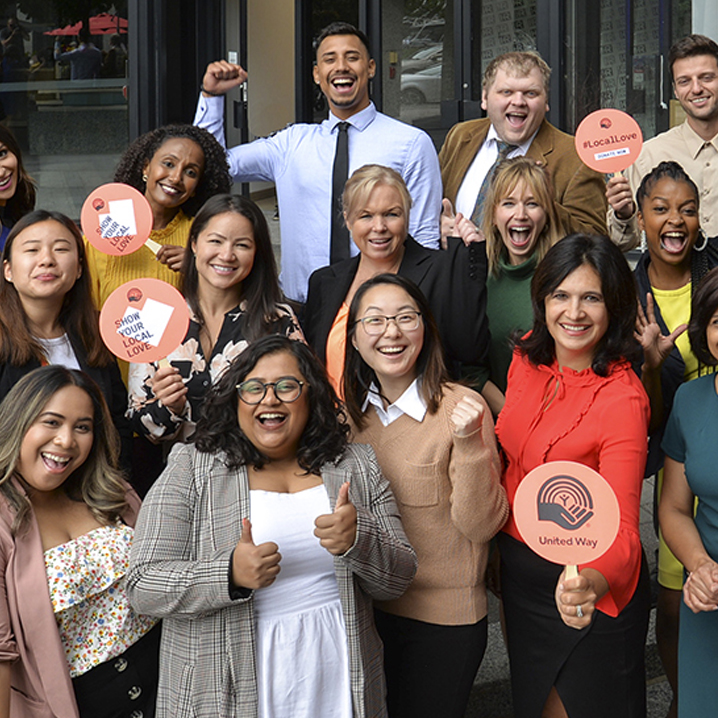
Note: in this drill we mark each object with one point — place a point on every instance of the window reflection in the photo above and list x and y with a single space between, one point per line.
63 93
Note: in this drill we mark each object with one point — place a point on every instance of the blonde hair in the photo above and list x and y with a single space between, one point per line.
364 181
505 180
518 64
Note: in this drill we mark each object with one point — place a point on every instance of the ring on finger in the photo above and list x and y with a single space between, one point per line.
579 611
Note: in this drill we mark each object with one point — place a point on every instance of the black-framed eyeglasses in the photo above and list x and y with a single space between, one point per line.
377 323
287 389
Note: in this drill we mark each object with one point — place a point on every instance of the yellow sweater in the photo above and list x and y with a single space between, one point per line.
449 493
108 272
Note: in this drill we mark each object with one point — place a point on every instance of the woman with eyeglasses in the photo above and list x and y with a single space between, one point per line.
376 211
434 441
263 546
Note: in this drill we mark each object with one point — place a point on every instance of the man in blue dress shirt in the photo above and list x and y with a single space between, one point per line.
299 159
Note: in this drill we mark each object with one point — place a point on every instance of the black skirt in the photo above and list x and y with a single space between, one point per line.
598 671
124 686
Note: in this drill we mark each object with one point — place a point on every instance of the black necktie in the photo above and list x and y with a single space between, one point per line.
504 149
340 233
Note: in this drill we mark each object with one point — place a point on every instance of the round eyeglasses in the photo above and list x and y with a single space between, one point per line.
287 389
377 323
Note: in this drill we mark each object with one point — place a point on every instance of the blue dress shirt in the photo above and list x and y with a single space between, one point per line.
299 160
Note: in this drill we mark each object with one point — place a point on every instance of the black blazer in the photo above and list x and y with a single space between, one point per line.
452 280
109 380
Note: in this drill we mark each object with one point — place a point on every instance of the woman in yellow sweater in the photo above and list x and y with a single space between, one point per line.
177 168
435 444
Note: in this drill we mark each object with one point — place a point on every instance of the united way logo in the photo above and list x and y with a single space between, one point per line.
565 501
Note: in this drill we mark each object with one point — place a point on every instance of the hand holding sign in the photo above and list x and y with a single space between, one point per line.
337 531
608 141
568 514
168 387
117 220
144 320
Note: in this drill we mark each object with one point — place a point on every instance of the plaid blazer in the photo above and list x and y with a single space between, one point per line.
179 570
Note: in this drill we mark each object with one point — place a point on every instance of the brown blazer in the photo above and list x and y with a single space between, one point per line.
580 192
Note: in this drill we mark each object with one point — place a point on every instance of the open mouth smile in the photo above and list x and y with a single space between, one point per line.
56 463
673 242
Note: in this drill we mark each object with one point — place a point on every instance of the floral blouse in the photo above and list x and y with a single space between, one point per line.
86 579
150 418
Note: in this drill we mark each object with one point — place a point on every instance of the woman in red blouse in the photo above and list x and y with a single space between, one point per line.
576 644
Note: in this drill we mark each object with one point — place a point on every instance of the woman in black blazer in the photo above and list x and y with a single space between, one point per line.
376 211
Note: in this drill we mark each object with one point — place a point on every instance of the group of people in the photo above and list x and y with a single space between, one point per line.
332 479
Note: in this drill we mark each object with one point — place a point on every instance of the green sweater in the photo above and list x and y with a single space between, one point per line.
508 309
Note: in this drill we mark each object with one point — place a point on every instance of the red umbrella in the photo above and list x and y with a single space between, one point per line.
102 24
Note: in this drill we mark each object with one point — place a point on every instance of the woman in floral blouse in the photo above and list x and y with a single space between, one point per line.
232 289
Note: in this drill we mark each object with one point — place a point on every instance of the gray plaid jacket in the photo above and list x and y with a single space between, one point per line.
179 570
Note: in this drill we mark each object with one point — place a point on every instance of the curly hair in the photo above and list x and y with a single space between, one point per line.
619 295
76 312
260 288
23 201
325 435
358 375
214 180
97 482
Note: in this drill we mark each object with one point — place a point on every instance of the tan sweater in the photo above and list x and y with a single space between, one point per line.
452 503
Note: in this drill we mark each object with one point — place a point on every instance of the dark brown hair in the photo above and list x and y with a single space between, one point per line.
260 289
77 314
619 295
703 306
23 201
692 46
358 375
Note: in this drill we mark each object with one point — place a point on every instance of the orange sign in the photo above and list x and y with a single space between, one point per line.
608 141
144 320
116 219
566 512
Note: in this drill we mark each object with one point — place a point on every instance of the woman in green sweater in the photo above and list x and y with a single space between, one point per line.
435 444
520 225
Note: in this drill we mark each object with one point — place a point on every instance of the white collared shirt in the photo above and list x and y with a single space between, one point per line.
411 402
484 160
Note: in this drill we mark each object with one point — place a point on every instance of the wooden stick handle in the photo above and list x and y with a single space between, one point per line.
153 246
571 571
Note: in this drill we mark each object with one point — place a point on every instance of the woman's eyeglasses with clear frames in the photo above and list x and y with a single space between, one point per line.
287 389
377 323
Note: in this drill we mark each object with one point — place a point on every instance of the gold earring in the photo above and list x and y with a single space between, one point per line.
144 178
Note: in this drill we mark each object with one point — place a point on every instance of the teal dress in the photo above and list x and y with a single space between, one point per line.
691 437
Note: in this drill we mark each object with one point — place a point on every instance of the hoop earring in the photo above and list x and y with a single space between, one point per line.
705 241
644 241
144 178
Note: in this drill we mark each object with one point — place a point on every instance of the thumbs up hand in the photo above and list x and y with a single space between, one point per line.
337 531
447 222
254 566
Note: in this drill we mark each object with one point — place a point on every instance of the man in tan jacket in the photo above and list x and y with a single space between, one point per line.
515 97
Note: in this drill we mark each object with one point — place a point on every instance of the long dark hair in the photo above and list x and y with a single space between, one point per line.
215 178
619 295
325 435
77 316
97 482
703 306
23 201
358 375
260 289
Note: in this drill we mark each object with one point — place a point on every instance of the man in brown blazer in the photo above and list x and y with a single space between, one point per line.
515 97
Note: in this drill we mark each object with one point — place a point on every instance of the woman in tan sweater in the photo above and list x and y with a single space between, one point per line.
435 444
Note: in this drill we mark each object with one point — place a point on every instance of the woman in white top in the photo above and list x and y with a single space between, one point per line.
262 546
70 645
47 316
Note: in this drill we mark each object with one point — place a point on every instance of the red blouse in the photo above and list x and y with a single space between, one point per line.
602 422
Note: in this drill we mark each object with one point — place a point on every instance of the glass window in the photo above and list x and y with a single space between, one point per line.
64 96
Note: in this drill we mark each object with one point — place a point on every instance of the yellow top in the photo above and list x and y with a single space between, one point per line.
108 272
675 305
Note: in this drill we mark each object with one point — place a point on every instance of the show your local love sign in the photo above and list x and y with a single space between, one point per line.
144 320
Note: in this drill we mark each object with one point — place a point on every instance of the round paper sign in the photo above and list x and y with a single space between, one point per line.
608 141
144 320
566 512
116 219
